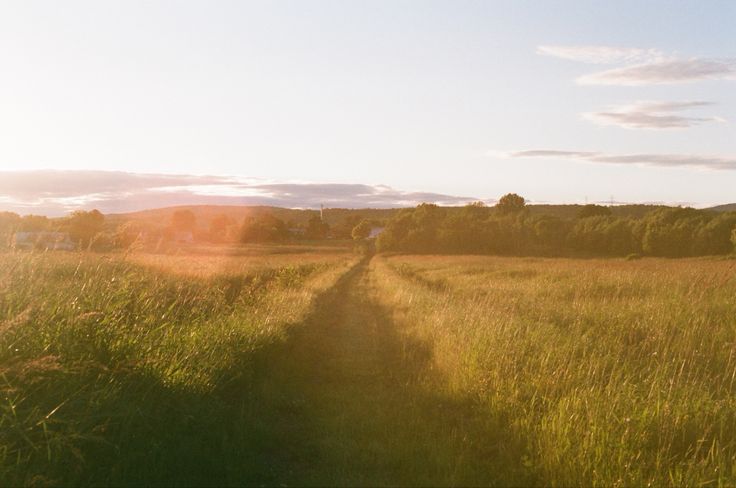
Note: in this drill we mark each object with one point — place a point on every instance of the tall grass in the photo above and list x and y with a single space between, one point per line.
601 372
116 372
176 370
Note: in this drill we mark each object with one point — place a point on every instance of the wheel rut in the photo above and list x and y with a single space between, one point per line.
351 400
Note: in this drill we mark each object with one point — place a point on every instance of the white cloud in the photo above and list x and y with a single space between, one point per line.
648 159
550 153
602 54
651 115
641 66
663 72
668 106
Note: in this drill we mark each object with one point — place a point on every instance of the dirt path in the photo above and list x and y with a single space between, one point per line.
348 400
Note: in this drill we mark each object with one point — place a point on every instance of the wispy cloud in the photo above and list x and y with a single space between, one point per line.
602 54
642 66
651 115
58 192
647 159
663 72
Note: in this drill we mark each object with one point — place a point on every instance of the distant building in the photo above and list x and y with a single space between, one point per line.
297 231
52 241
375 232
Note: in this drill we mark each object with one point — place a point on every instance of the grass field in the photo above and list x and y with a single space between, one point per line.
294 368
594 372
113 371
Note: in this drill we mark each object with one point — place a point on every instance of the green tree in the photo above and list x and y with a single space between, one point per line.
508 233
219 226
426 223
621 237
34 223
84 226
132 234
393 237
463 230
418 230
671 232
714 237
511 203
550 233
344 229
183 220
362 230
316 228
9 223
592 210
263 228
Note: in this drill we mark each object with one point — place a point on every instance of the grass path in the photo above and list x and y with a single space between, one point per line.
349 400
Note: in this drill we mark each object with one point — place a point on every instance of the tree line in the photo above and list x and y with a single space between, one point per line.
82 226
90 230
508 229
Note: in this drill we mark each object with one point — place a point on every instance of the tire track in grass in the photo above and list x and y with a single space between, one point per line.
350 400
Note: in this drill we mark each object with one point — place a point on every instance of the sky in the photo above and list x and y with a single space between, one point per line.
131 104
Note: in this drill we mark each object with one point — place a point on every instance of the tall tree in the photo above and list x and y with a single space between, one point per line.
316 228
362 230
183 220
219 226
9 223
592 210
263 228
34 223
84 226
511 203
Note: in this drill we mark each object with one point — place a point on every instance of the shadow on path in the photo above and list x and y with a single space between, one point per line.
349 400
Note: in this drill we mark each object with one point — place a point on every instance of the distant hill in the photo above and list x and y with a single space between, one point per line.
160 217
729 207
205 213
571 211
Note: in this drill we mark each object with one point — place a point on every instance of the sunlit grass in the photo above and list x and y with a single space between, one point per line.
608 372
208 265
112 372
269 368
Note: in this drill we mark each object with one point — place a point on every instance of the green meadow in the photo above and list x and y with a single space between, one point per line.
333 368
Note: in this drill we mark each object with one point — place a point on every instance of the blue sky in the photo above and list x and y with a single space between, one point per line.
557 101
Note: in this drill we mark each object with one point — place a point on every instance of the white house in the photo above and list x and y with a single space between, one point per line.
375 232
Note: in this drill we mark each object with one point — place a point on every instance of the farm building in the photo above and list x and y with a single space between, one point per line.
55 241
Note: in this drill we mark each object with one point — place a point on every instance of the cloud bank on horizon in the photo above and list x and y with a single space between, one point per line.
56 193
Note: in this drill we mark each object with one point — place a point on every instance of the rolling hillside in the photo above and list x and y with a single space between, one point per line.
728 207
